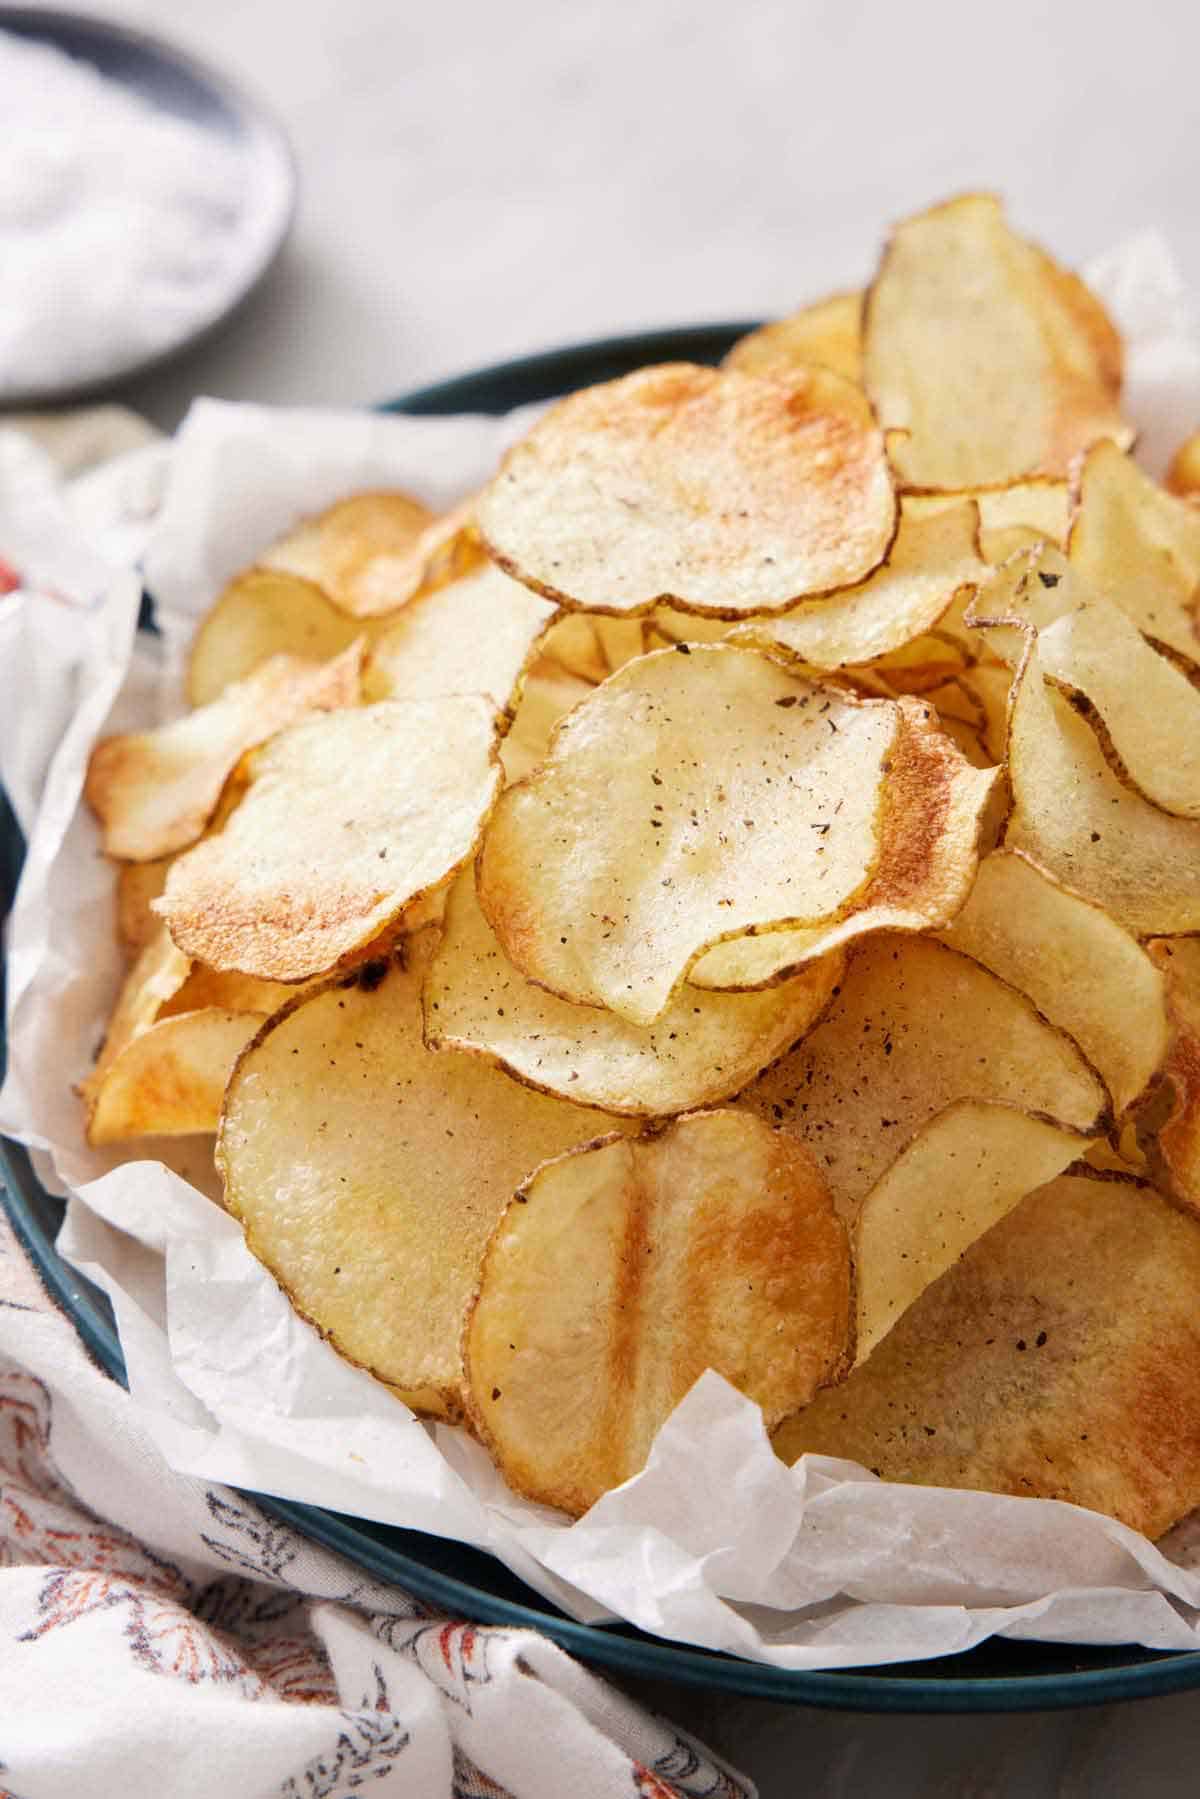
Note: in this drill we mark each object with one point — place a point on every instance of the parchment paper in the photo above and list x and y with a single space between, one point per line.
716 1542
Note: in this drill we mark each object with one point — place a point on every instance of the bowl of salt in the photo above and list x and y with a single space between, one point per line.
142 198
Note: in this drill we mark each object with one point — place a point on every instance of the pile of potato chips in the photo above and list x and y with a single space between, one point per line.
726 896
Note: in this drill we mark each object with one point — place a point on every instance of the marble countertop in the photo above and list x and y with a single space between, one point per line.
479 181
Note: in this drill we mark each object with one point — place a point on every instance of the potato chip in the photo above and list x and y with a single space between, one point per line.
1059 1359
673 627
934 559
348 819
444 550
621 1272
337 549
1038 510
1088 830
963 1172
694 795
703 1048
935 808
207 988
1150 711
547 695
138 886
168 1081
715 492
1174 1150
1183 476
1137 546
572 644
368 1172
261 614
828 332
157 975
620 640
1081 969
915 1027
474 635
154 791
987 363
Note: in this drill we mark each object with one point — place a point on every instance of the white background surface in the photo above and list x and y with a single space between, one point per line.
480 180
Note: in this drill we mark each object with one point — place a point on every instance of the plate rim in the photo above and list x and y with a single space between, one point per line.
880 1689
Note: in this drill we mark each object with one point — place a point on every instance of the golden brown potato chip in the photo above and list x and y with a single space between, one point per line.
959 1176
548 693
695 794
934 560
339 548
445 549
620 639
572 644
168 1080
671 627
1081 969
1183 476
915 1027
156 976
476 634
1059 1359
138 886
1137 546
829 333
1174 1150
209 988
1079 822
348 819
703 1048
934 811
154 791
987 363
259 615
714 492
621 1272
368 1172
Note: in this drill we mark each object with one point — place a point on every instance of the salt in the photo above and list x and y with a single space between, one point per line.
120 225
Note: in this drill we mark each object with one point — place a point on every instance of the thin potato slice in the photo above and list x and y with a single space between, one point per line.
336 549
1149 710
1137 546
829 333
963 1172
1084 827
347 820
445 549
261 614
935 808
1041 509
915 1027
703 1048
208 987
1059 1359
157 975
368 1172
1082 970
620 640
694 795
621 1272
138 886
573 644
169 1080
714 492
934 560
1175 1149
547 695
474 635
1183 476
154 791
987 363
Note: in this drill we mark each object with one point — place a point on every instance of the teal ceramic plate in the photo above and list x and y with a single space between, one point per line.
998 1676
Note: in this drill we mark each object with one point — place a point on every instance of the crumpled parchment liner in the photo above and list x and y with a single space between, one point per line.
716 1542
